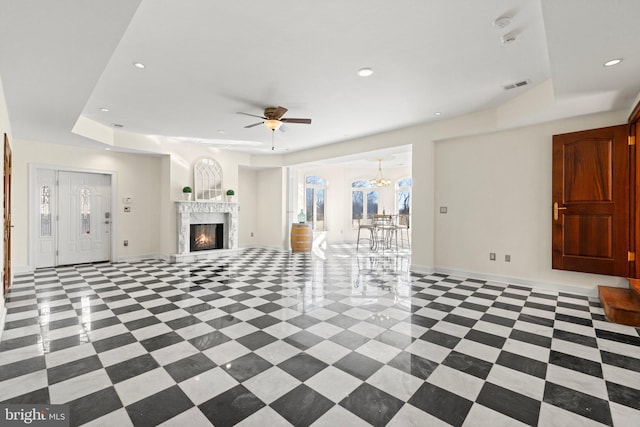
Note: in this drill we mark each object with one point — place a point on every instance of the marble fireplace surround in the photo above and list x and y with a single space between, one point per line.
199 212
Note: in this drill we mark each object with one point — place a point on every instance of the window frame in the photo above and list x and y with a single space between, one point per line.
313 218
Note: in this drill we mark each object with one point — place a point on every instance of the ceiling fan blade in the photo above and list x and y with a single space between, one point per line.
300 121
280 111
252 115
253 125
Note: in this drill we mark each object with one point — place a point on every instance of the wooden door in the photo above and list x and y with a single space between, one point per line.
7 216
591 189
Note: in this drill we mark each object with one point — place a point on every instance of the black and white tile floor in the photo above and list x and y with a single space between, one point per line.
269 338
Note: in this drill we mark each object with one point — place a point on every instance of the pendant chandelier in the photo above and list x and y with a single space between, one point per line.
379 181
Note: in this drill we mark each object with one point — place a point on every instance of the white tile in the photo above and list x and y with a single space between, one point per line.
143 385
118 418
531 351
457 382
195 330
553 416
21 353
282 330
328 351
428 350
190 417
264 417
120 354
207 385
333 383
451 329
378 351
623 415
367 329
410 416
79 386
338 416
481 416
23 384
239 330
151 331
226 352
582 351
516 381
324 330
271 384
70 354
172 353
279 351
621 376
109 331
395 382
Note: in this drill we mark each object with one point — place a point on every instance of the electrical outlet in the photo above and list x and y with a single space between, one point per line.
126 243
252 234
127 208
507 258
492 256
443 209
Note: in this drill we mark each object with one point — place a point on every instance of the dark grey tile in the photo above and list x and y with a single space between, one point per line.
413 364
303 340
94 405
159 407
576 363
302 406
302 366
131 368
468 364
442 404
113 342
246 367
73 369
231 407
578 403
209 340
223 322
358 365
160 341
256 340
372 404
530 338
440 338
263 322
142 323
349 339
22 367
486 338
624 395
189 367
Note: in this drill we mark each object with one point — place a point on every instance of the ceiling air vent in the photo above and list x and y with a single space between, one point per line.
515 85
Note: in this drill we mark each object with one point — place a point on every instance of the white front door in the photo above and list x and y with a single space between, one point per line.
84 217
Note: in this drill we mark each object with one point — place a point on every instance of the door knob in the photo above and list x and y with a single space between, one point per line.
557 208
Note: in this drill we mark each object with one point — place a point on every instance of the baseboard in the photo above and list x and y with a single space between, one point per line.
422 269
136 258
20 269
558 287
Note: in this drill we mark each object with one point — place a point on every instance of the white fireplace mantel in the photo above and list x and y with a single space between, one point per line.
199 212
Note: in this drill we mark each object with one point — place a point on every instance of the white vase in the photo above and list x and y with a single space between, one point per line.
187 196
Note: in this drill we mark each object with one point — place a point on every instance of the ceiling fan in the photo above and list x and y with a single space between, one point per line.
273 119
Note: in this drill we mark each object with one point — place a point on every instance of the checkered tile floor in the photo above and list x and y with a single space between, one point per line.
272 338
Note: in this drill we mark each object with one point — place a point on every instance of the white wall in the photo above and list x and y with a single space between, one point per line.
497 189
5 127
138 177
271 209
248 207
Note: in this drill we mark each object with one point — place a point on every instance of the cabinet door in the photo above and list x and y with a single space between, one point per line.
590 212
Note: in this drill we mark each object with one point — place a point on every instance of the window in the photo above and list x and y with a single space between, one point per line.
207 178
315 192
403 196
45 211
361 190
85 211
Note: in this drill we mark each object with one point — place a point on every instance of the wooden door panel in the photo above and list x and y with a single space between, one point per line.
591 188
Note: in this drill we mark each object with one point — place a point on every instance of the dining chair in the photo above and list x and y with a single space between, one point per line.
365 224
402 225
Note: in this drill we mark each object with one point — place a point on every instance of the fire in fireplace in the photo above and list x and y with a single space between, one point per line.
204 237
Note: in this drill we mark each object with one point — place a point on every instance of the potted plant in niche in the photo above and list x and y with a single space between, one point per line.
186 193
230 194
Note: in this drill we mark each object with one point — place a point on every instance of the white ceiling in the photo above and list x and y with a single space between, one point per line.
206 60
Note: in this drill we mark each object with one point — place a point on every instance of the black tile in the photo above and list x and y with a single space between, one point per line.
621 338
231 407
624 395
14 343
159 407
131 368
372 404
395 339
575 338
199 308
530 338
512 404
460 320
127 309
40 396
571 306
536 320
210 297
209 340
21 323
498 320
246 367
522 364
62 343
263 322
302 406
349 339
507 294
73 369
22 367
163 308
102 323
505 306
486 338
234 308
160 341
413 364
620 360
62 323
302 366
575 363
94 405
303 321
575 320
303 340
223 322
425 322
440 338
256 340
440 307
358 365
142 323
189 367
578 403
149 297
468 364
182 322
342 321
442 404
338 307
113 342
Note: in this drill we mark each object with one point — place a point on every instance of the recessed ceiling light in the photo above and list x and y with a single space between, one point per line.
613 62
365 72
138 65
437 113
104 109
220 130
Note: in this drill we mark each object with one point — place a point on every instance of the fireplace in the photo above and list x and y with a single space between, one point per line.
205 237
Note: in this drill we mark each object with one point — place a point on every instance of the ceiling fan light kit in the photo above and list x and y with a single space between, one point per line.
273 120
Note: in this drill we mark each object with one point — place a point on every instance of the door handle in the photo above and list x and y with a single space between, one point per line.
557 208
